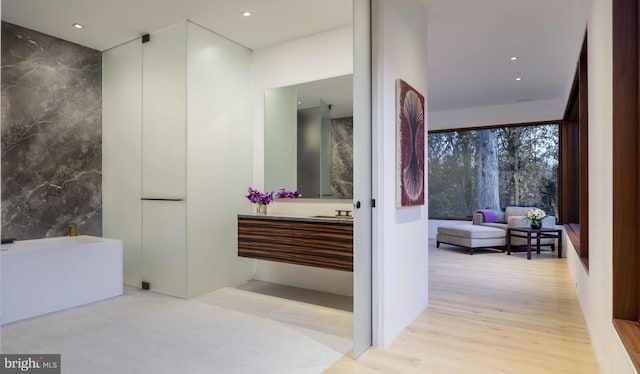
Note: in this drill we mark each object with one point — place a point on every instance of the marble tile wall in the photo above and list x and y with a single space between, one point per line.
342 158
51 136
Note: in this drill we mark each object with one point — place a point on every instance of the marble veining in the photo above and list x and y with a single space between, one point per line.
342 158
51 135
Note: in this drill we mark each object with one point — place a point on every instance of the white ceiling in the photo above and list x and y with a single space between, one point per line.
337 92
469 41
112 22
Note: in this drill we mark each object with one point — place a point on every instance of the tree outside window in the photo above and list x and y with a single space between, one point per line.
493 168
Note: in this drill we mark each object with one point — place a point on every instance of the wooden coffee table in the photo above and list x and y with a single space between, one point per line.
527 233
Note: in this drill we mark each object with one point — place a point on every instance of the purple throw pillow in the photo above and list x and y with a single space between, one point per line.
488 215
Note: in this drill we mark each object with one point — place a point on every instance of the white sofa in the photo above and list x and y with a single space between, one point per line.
514 216
483 234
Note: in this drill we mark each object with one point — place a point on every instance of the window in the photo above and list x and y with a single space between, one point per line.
574 162
493 168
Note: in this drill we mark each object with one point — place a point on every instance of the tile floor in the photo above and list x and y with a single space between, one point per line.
228 331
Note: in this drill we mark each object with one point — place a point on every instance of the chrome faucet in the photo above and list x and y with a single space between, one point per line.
347 213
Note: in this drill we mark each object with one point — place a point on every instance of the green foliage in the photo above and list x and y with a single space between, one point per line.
528 169
452 179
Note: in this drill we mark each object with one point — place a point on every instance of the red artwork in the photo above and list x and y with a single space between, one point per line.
411 146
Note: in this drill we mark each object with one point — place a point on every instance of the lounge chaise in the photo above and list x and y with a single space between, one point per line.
471 236
489 230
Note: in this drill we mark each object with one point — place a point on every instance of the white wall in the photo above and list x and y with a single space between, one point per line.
218 158
319 56
528 111
595 287
400 262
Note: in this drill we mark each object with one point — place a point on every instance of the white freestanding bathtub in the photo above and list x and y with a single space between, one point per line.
45 275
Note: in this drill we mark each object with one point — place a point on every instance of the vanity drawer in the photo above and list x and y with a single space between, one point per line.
265 239
326 245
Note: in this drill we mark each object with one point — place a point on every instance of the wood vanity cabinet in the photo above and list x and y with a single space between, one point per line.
325 244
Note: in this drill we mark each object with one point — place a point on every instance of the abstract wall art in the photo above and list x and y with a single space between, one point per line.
411 145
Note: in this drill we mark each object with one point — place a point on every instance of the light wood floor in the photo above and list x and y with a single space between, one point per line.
489 313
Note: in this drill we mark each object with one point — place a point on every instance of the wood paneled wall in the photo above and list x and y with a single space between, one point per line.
626 202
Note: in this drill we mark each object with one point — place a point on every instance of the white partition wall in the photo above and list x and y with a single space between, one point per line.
121 153
180 130
164 251
164 244
400 248
163 113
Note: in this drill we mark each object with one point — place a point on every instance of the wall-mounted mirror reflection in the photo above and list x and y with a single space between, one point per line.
309 138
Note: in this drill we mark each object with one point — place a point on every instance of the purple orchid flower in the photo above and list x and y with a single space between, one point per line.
284 194
266 198
258 197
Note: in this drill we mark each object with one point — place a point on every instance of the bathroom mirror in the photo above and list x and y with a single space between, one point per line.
309 138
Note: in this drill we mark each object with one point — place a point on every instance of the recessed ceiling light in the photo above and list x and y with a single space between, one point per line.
299 102
246 14
513 58
518 79
77 25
